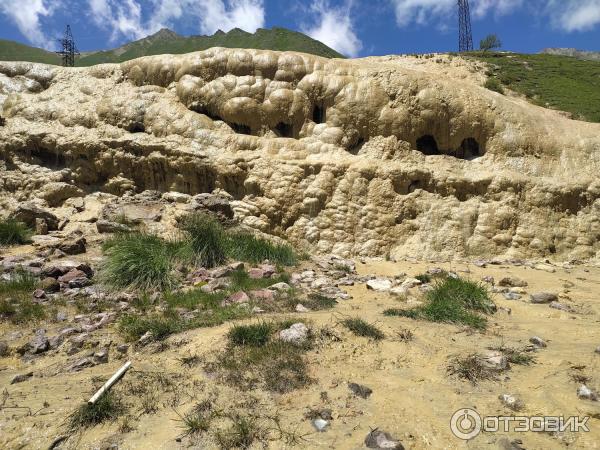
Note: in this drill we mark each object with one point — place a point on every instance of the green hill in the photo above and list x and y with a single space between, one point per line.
552 81
167 41
13 51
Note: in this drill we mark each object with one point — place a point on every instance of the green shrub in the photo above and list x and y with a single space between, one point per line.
134 327
21 282
139 261
452 300
256 335
362 328
13 232
493 84
206 239
247 247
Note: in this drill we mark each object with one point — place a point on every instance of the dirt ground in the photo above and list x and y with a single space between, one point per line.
413 396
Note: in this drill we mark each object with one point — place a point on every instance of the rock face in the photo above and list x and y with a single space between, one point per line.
380 156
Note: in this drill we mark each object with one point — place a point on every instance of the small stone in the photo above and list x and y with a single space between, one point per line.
256 274
236 266
101 357
381 439
585 393
511 402
296 334
399 291
268 269
106 226
301 308
39 294
494 360
360 390
511 296
262 294
379 285
281 287
79 283
21 378
538 342
4 349
320 424
60 316
81 364
488 279
40 343
561 307
41 226
50 285
73 274
543 297
236 299
512 282
122 348
146 338
74 246
597 350
410 283
221 272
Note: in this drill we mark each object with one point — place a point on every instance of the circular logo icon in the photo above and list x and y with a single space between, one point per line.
465 424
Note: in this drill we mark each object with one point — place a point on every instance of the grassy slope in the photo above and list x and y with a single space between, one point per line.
557 82
275 39
13 51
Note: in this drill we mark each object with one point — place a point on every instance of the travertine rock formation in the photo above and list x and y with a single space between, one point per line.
358 157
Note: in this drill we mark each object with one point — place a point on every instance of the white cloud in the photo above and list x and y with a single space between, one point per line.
574 15
124 17
334 28
568 15
26 14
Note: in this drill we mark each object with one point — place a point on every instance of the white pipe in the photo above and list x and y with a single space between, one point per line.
116 377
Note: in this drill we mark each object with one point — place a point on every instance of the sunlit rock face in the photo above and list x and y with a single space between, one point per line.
379 156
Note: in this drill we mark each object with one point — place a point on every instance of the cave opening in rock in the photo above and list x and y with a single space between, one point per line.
2 121
427 145
413 186
284 130
47 158
319 114
137 128
469 149
240 129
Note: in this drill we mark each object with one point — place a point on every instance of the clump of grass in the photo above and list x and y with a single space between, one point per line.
21 282
405 335
206 239
16 304
471 368
452 300
362 328
242 433
195 422
139 261
13 232
108 408
493 84
134 327
256 335
276 365
424 278
247 247
241 281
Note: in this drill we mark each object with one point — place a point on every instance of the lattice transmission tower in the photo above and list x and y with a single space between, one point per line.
465 36
69 49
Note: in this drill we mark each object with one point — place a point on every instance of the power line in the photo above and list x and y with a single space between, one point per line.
465 37
69 49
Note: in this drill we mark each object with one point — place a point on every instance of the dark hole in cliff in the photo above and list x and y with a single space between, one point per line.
319 114
48 158
414 185
137 128
284 130
2 121
201 109
357 147
240 129
469 149
427 145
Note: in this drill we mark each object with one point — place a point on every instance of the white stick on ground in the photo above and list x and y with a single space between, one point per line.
116 377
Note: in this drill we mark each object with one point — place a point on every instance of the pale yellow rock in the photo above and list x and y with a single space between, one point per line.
245 121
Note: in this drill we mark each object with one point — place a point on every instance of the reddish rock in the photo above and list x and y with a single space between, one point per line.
236 299
257 273
73 274
262 294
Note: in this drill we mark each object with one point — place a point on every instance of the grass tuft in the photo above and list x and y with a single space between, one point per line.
242 433
247 247
256 335
362 328
452 300
16 303
206 239
138 261
13 232
108 408
471 368
493 84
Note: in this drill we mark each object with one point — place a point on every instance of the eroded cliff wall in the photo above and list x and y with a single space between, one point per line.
372 157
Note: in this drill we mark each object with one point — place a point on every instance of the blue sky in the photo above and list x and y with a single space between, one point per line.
353 27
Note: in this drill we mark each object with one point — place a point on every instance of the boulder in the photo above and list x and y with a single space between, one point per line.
106 226
73 246
236 299
538 342
216 203
56 192
29 212
543 297
22 377
297 334
379 285
512 282
50 285
494 360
